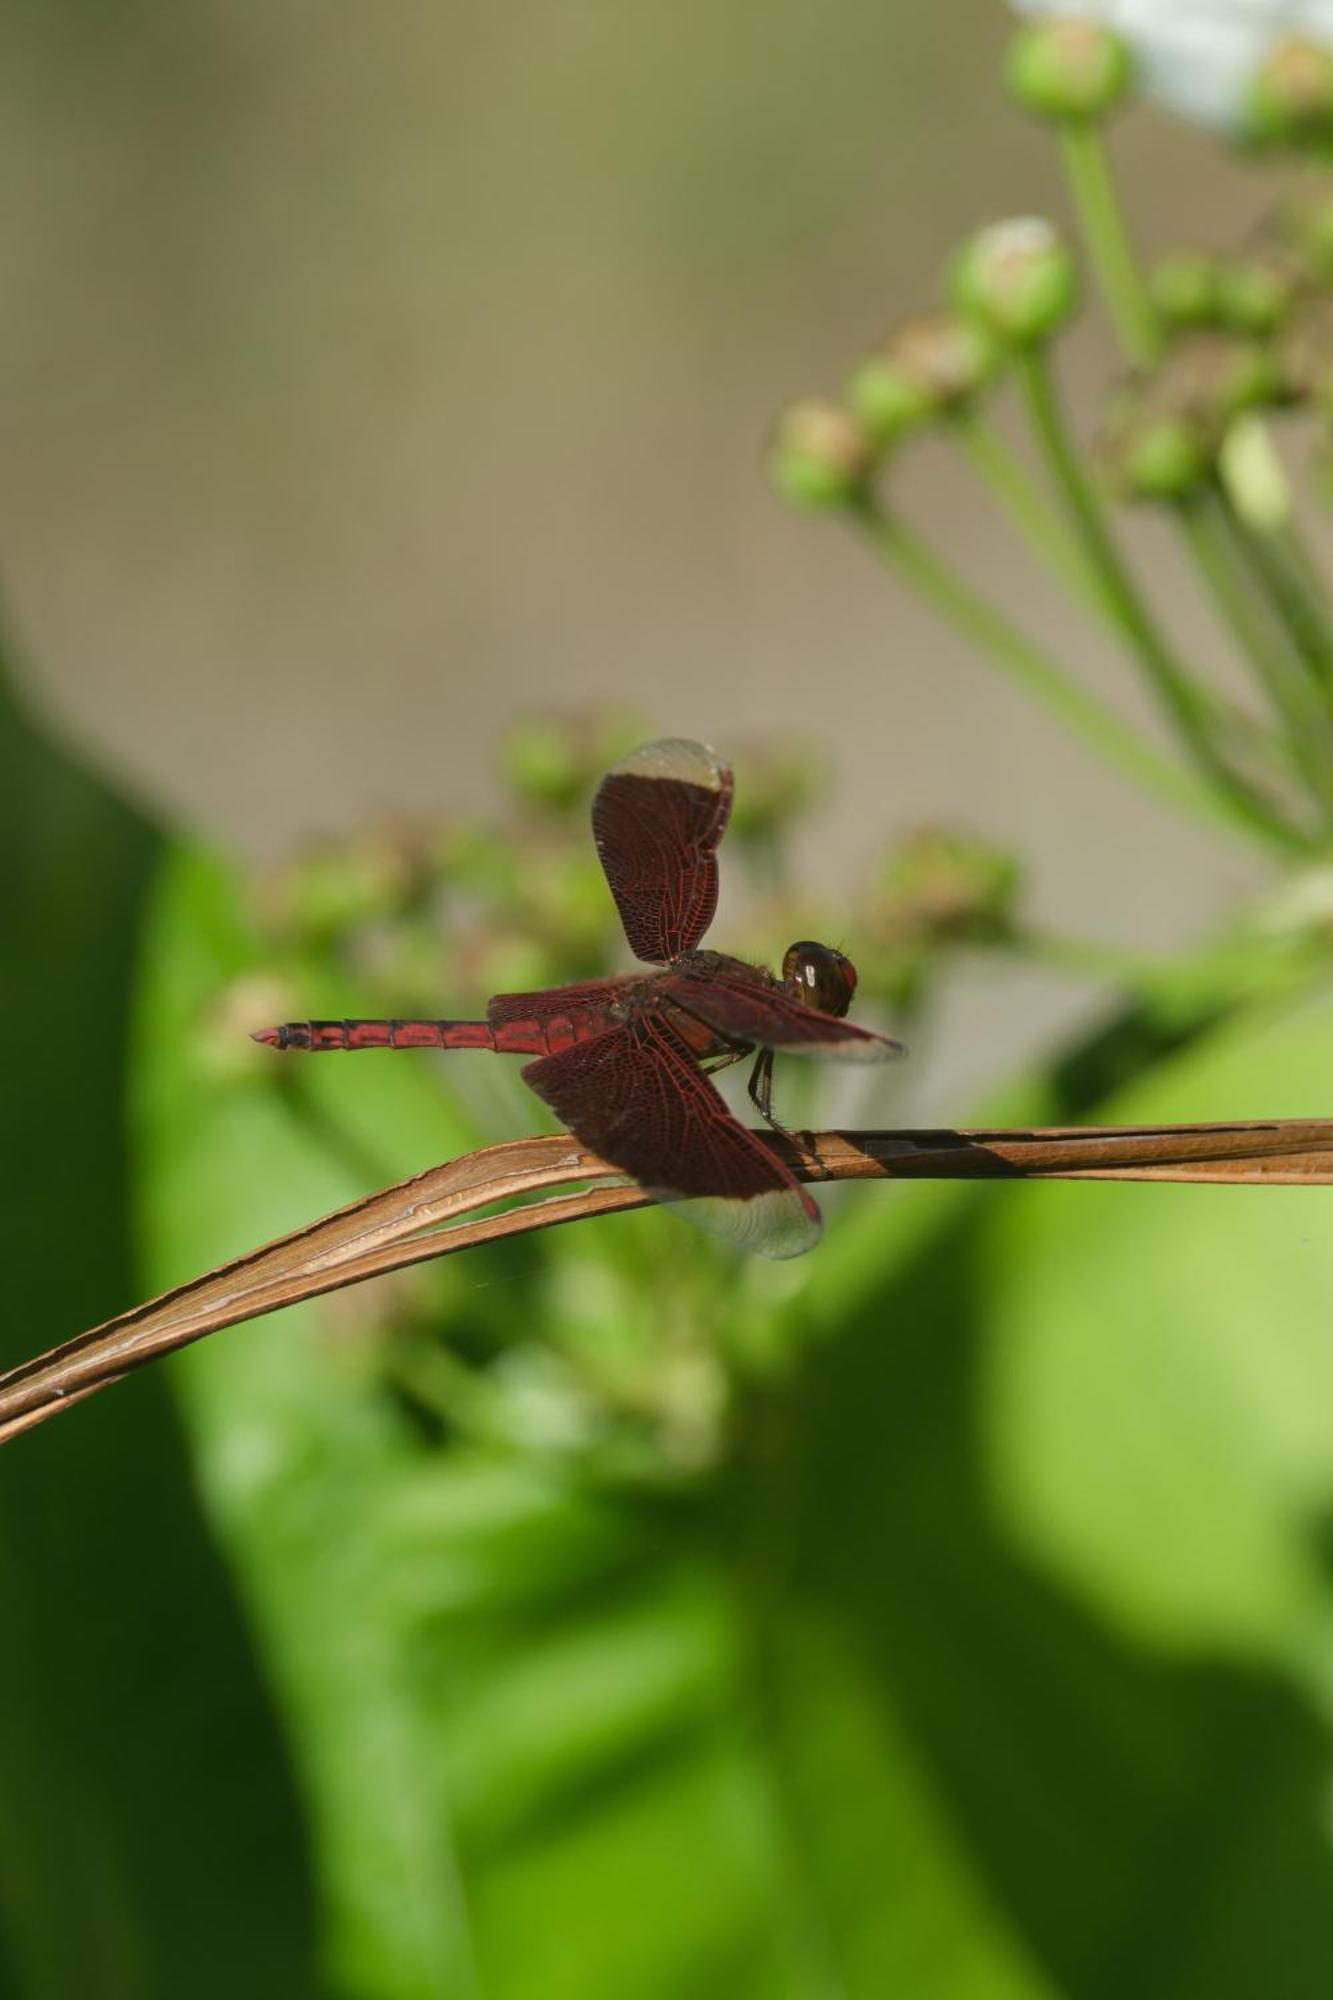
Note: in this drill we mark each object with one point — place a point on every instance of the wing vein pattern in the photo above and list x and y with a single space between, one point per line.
657 820
636 1096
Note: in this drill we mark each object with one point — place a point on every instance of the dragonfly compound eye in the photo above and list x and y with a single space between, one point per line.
818 976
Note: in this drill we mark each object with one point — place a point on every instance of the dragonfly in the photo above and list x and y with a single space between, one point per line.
625 1062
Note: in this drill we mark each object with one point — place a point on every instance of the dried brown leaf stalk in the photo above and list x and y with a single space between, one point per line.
436 1213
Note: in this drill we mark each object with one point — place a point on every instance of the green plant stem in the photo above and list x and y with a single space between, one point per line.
1106 235
1023 503
1190 711
933 580
1287 578
1301 614
1305 715
1303 561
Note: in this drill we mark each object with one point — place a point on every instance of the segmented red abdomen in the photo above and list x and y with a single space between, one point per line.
519 1024
357 1034
558 1017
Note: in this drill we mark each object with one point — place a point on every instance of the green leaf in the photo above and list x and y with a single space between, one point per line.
542 1741
822 1717
1161 1391
1099 1790
294 1450
149 1844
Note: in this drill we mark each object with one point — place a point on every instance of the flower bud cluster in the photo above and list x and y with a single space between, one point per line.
1163 431
1254 292
1245 331
942 889
1013 285
929 366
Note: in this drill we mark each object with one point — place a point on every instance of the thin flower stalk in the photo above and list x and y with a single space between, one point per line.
1106 234
930 577
1303 712
1190 709
1044 530
1296 596
1299 610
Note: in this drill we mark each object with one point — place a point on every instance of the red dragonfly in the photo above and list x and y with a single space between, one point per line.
624 1062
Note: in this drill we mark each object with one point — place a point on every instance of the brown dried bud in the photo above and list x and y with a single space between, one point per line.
929 365
820 455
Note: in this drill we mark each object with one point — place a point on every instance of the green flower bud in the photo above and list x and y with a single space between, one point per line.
1019 279
1255 293
1184 288
1306 226
540 762
820 456
1155 455
1247 379
1163 432
499 962
555 760
408 964
332 890
1068 69
929 365
1210 378
778 782
564 898
1291 94
888 403
945 885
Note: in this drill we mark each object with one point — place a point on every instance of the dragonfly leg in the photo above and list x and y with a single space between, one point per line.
761 1096
761 1090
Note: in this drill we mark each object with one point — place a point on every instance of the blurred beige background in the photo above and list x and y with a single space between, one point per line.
372 372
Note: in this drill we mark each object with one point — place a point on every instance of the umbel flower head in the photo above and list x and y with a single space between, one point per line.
1163 432
1202 57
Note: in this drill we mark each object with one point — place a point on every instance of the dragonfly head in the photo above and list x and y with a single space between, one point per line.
819 976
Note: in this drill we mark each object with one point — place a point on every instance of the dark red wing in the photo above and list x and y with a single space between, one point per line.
765 1014
657 819
589 996
636 1096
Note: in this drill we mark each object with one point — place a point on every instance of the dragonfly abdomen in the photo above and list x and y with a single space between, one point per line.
519 1038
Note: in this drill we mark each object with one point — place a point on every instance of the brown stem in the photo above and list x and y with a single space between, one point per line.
433 1215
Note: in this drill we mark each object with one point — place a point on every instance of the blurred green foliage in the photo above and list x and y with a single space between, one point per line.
946 1613
149 1837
